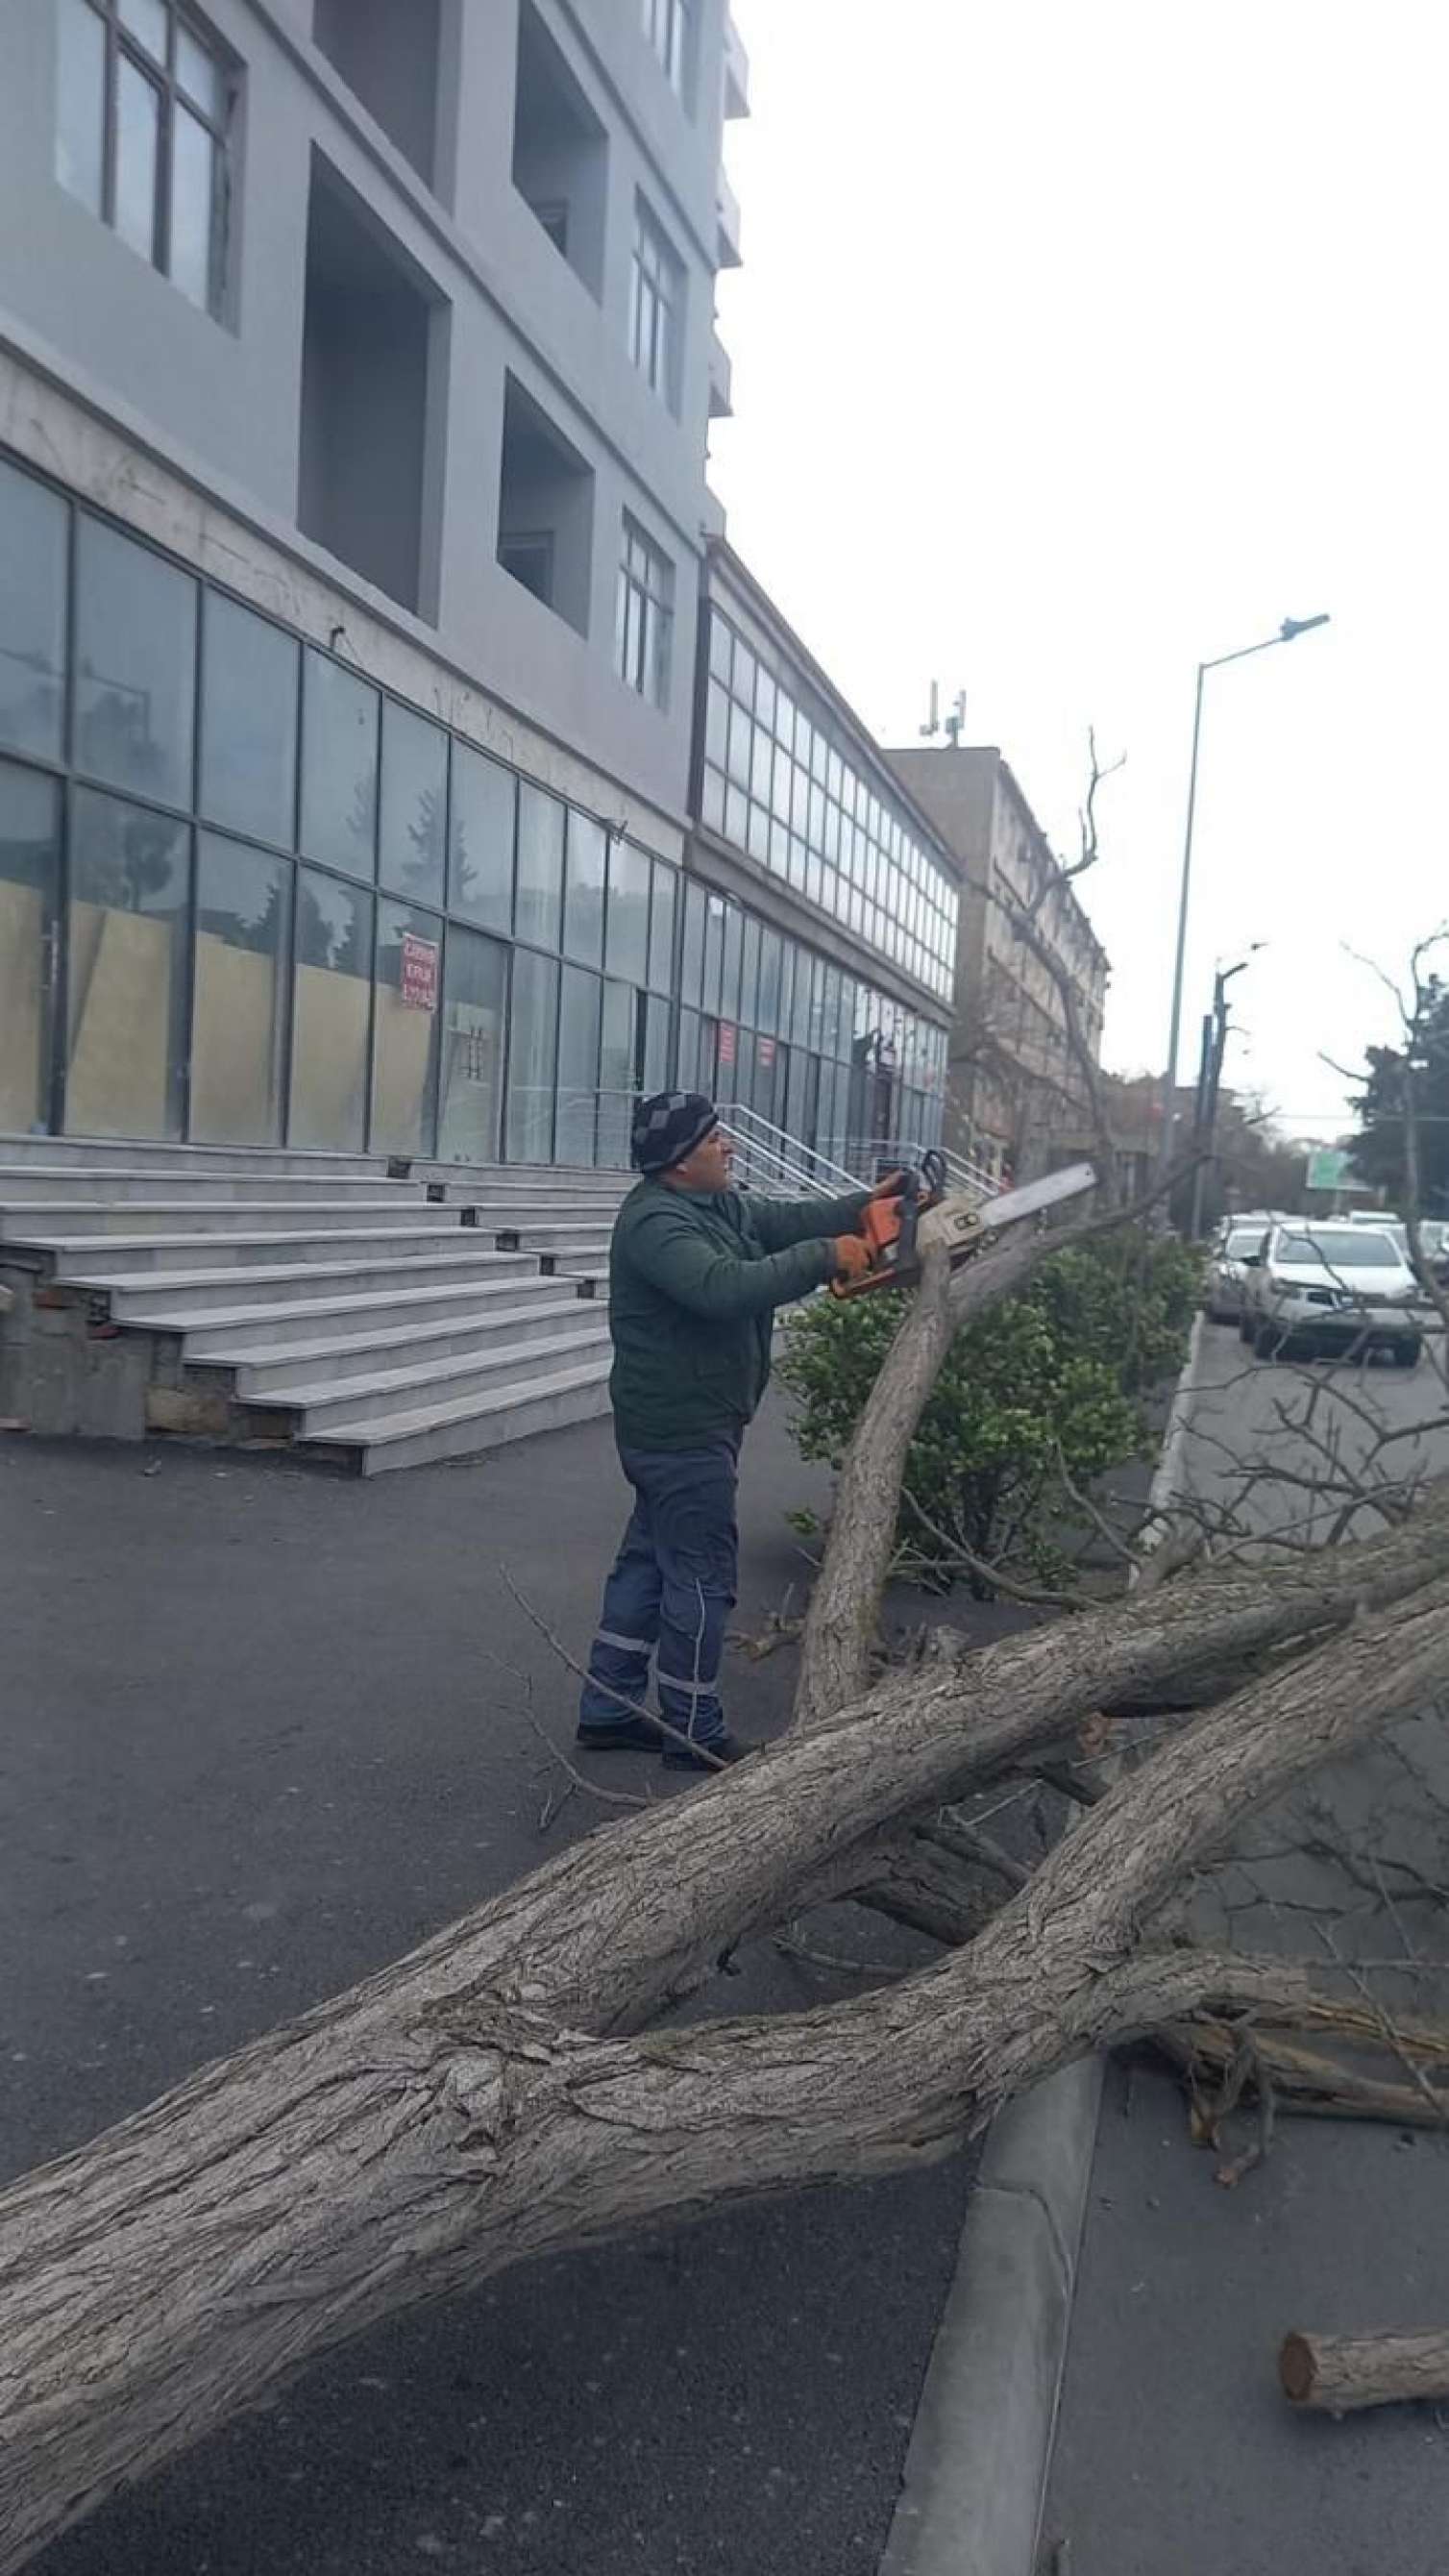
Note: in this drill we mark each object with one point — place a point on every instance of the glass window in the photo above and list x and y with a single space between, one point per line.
405 1030
578 1067
768 1016
661 928
691 967
481 820
669 26
339 768
729 998
658 1018
656 307
475 991
628 945
687 1076
414 823
141 135
802 1014
540 868
248 722
716 725
714 930
712 799
127 969
721 647
239 1012
741 736
645 615
32 589
618 1080
80 120
331 1012
750 970
532 1045
29 873
135 666
588 850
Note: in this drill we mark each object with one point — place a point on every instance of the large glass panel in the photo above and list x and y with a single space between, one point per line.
588 851
339 768
135 666
331 1009
657 1017
578 1067
691 966
405 1030
628 938
532 1043
475 1001
750 971
481 820
414 830
688 1071
127 969
714 930
147 20
661 928
239 1014
540 867
193 196
80 107
199 73
729 996
32 615
138 126
29 863
248 722
618 1074
768 1009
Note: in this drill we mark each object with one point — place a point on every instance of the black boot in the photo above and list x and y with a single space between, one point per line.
621 1735
725 1748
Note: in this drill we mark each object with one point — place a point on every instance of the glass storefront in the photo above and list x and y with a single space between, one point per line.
248 898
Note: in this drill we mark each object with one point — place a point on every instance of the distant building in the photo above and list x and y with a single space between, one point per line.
1015 1098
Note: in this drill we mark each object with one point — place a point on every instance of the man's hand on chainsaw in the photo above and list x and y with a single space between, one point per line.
891 1187
852 1256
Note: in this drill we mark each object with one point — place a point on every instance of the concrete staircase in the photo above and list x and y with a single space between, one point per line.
369 1314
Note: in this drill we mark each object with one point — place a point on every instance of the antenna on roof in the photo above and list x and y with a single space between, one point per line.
955 724
926 730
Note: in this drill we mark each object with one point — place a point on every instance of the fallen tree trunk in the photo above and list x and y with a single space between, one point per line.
469 2109
1335 2374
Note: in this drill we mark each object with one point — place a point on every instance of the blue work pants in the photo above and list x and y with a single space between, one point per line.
670 1592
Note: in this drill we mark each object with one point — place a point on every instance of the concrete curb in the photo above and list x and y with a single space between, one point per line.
975 2477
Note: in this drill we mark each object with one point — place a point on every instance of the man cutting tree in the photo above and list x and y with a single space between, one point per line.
696 1272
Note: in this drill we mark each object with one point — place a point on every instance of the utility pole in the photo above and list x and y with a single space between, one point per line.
1209 1081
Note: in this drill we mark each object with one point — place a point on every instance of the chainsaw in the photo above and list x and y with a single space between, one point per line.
898 1230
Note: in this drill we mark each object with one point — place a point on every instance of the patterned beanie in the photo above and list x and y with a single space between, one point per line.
669 1126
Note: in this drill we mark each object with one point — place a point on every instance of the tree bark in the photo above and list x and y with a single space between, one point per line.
476 2106
1338 2373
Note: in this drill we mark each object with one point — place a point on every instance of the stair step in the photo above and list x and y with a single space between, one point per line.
131 1153
325 1406
94 1257
266 1370
133 1294
240 1335
56 1220
22 1185
376 1446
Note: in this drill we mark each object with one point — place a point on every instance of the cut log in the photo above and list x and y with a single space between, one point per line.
1335 2374
470 2109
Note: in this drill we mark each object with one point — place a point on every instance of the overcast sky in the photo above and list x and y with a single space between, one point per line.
1078 343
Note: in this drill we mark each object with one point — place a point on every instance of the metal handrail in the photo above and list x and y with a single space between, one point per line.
769 1158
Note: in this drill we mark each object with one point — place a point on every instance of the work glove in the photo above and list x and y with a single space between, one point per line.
850 1257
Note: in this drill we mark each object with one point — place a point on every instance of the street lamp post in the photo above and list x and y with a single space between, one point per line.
1287 632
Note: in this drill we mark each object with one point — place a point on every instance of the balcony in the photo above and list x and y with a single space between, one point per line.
736 71
727 224
721 376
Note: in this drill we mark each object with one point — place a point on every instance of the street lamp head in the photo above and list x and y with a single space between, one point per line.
1292 626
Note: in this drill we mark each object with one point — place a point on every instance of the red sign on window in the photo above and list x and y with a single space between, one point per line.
419 972
726 1042
765 1052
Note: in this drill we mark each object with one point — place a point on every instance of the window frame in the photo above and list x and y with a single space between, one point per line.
643 651
656 306
122 44
670 32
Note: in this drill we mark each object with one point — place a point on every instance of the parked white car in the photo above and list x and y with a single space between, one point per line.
1327 1290
1226 1271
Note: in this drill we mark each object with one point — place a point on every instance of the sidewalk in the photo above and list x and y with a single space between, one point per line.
260 1738
1176 2454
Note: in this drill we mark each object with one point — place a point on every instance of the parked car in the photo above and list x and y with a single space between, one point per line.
1330 1289
1223 1295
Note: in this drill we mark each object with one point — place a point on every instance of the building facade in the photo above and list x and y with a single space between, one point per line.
822 916
1015 1098
355 372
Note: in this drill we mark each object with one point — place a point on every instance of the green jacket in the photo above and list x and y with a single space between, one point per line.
694 1280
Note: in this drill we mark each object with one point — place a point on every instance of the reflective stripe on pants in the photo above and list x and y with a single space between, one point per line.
672 1588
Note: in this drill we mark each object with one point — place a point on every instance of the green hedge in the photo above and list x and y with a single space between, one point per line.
1067 1366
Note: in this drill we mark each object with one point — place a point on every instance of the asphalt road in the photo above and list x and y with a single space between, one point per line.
263 1732
1176 2455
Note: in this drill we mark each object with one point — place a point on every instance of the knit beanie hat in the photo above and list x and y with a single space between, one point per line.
669 1126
